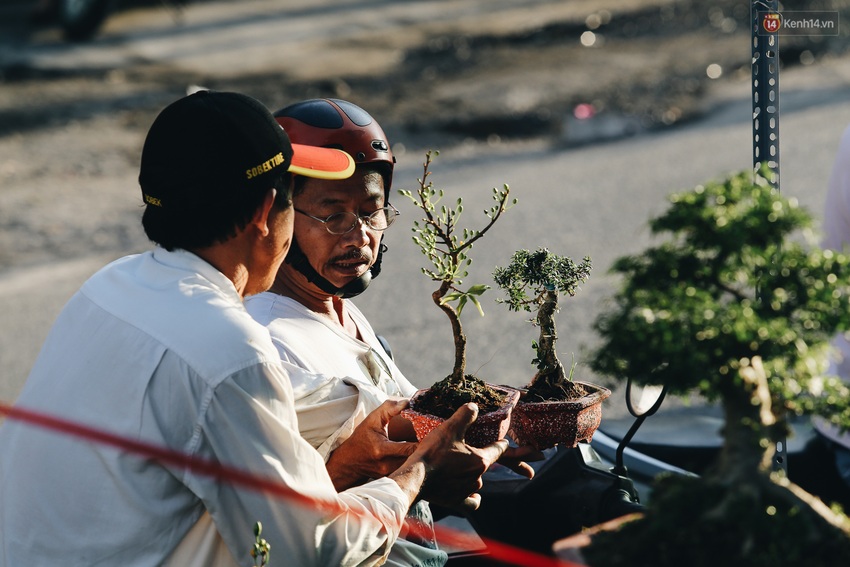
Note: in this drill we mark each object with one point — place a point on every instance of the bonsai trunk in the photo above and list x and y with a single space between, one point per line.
745 462
549 366
456 389
457 330
746 450
738 511
551 381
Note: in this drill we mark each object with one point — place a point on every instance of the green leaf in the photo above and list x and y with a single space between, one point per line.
461 303
477 304
454 296
477 289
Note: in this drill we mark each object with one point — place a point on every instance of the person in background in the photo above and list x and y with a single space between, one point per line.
836 236
157 350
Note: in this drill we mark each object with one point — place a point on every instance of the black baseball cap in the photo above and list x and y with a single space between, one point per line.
211 142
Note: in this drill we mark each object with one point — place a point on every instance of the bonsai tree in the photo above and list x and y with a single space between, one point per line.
533 281
736 306
447 248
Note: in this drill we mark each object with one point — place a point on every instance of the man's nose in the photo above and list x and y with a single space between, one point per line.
359 235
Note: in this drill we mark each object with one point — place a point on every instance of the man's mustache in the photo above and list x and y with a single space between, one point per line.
364 255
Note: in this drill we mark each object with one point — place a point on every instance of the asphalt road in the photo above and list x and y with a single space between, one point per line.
591 200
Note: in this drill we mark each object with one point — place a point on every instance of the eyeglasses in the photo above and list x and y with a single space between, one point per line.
342 223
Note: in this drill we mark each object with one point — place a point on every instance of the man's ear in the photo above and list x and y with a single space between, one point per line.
261 216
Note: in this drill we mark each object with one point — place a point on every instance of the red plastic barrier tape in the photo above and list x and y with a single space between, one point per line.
498 551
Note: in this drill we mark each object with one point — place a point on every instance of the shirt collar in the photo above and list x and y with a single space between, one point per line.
185 260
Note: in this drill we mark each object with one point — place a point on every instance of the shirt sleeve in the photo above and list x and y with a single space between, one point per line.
249 423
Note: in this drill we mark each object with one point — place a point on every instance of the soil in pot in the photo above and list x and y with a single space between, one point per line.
544 391
444 397
430 407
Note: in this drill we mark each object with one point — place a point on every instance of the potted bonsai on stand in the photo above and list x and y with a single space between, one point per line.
736 307
555 409
447 248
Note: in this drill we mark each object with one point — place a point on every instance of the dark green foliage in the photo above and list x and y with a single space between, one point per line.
533 281
684 528
731 282
734 306
261 551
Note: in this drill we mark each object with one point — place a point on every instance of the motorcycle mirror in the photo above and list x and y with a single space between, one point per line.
644 400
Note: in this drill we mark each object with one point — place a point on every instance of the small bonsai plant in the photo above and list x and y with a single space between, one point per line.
736 306
555 410
261 550
447 248
533 281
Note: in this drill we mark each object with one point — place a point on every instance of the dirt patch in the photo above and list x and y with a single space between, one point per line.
495 71
644 61
509 72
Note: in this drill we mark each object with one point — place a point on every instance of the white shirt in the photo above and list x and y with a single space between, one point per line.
158 348
836 236
345 380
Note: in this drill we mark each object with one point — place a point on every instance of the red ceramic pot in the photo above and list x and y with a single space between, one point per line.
489 427
566 423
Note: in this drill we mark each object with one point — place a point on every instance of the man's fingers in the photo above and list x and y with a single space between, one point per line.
471 502
493 451
391 408
520 467
515 459
462 419
396 404
525 453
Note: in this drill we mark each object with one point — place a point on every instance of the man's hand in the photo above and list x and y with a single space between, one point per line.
369 453
453 468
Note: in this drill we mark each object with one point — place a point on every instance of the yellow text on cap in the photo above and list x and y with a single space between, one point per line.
267 165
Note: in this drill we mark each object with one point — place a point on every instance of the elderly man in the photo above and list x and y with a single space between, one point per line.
157 351
335 253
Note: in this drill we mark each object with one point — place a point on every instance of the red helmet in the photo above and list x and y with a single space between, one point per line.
339 124
345 126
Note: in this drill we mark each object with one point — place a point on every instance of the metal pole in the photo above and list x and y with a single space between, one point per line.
765 20
765 36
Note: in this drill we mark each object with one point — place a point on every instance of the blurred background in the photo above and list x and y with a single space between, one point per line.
592 111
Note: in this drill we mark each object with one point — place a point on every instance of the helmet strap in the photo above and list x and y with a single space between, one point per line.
298 260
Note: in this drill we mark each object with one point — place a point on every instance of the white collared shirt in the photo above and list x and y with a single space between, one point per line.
344 380
158 348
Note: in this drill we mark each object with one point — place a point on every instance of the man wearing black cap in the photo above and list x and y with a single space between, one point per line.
163 382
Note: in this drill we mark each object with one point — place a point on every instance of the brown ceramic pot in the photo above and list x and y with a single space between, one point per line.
489 427
565 423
